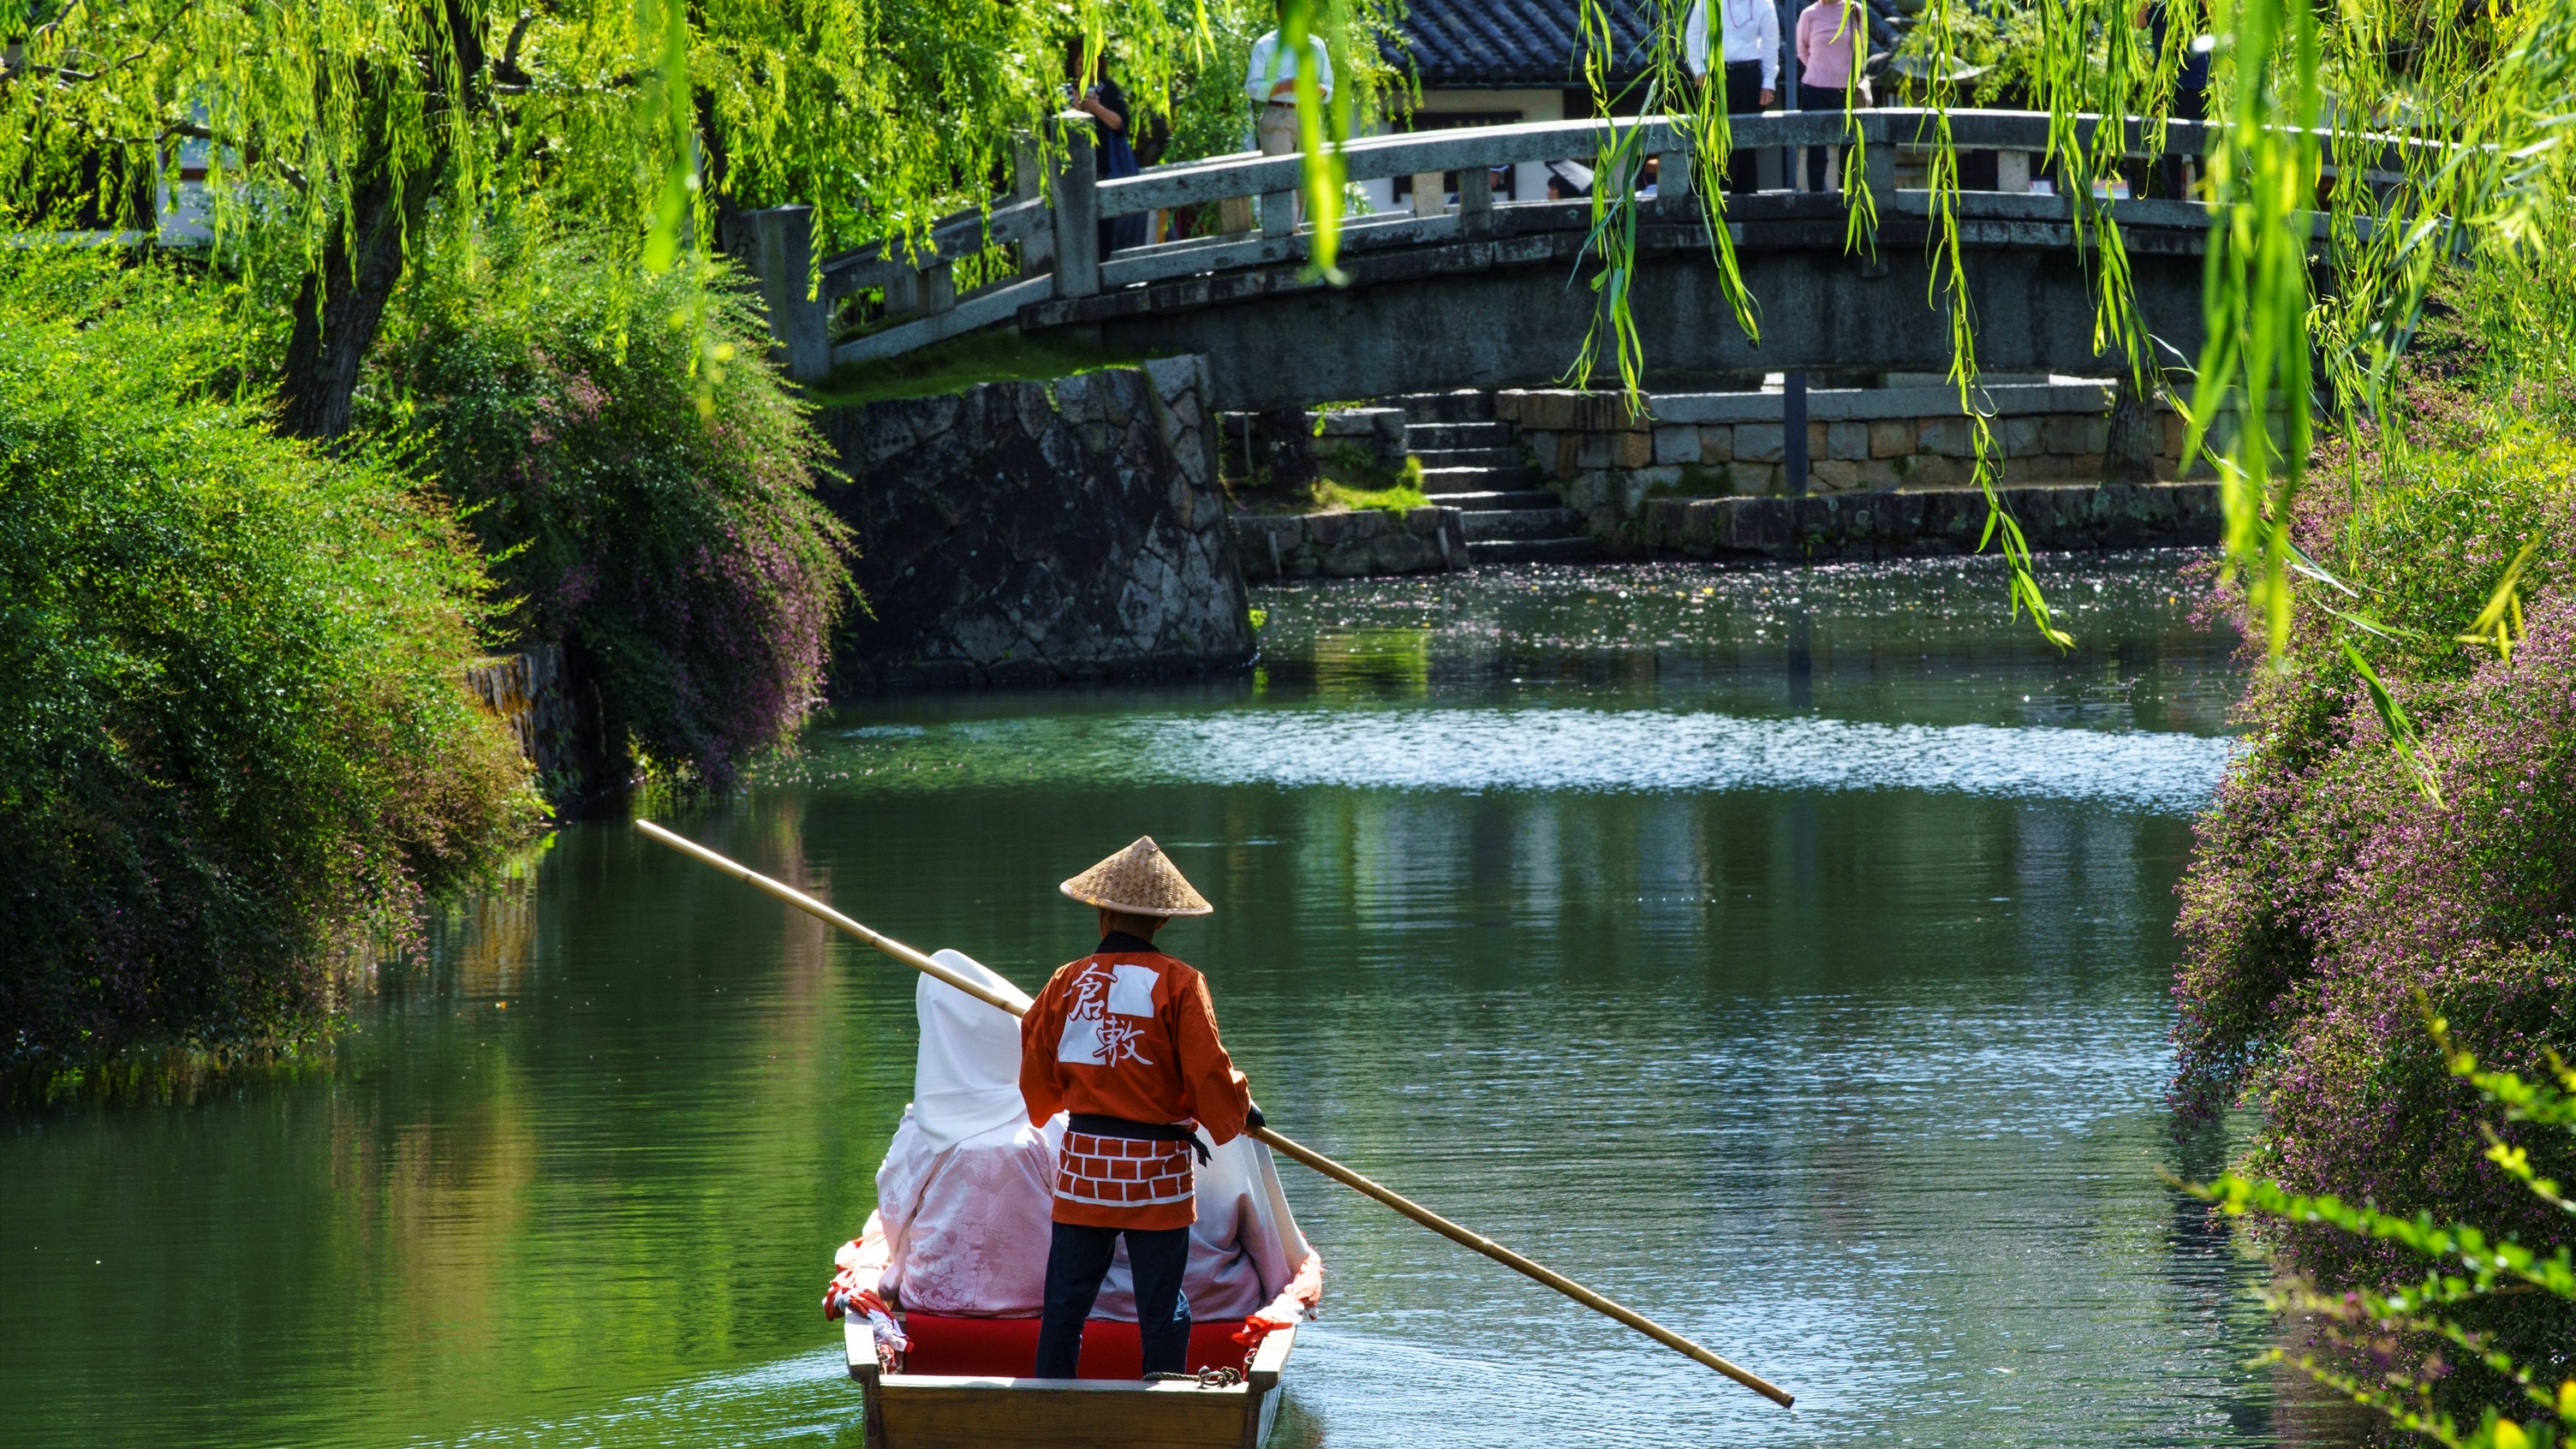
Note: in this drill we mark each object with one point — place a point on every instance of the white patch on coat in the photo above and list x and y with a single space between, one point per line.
1131 990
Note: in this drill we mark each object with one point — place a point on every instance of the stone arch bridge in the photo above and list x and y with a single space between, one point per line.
1474 293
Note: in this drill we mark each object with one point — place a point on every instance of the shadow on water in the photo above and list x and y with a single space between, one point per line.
1784 952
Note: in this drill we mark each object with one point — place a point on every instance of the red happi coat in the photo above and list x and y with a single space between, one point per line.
1128 1033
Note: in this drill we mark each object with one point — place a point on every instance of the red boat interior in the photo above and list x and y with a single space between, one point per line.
1008 1347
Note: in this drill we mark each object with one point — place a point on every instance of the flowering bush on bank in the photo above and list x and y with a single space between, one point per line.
645 501
2349 879
2443 1278
236 743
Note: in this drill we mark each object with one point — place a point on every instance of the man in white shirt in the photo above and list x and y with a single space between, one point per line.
1750 32
1271 81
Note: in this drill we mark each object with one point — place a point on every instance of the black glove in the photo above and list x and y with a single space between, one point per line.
1252 1116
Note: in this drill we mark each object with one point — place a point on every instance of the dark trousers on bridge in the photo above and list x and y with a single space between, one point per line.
1743 98
1821 98
1077 1259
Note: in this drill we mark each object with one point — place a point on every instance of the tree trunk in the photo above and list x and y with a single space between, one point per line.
341 306
2129 454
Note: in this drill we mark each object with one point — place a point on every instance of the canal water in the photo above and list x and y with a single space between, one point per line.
1783 952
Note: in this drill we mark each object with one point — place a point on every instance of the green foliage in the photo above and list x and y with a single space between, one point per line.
2464 1269
2399 831
2001 40
236 742
2414 559
660 523
1402 498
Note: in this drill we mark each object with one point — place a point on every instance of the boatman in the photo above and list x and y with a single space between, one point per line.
1124 1041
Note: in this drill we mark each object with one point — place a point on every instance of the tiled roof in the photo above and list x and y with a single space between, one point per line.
1510 42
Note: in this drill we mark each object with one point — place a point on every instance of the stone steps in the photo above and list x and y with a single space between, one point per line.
1475 464
1487 525
1516 498
1467 457
1533 550
1437 481
1434 437
1468 405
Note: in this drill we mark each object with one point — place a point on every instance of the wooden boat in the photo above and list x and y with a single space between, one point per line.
954 1410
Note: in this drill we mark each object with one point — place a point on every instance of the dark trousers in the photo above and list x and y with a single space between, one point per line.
1075 1262
2189 104
1743 98
1820 98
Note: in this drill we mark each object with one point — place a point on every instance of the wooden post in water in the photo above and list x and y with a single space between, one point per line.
1017 1004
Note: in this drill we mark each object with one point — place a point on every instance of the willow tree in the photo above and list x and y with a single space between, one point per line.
2405 136
334 131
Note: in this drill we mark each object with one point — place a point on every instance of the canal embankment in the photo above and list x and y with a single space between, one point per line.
1891 471
1563 476
1105 524
1030 533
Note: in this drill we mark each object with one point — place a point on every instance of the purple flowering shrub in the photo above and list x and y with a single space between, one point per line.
2333 899
2394 1350
645 501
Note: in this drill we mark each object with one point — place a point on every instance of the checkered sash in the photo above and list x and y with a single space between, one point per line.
1123 1171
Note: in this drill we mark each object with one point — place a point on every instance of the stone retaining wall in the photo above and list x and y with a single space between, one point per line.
1856 437
554 715
1609 462
1348 545
1037 532
1890 523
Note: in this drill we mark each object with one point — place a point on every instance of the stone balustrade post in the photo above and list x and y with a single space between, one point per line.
1278 212
1028 183
783 255
1673 174
1430 194
1475 201
1077 211
1880 172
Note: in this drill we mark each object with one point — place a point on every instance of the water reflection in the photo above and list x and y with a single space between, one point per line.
1532 748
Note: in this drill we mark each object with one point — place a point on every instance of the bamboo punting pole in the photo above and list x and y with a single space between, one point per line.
1538 1272
1016 1004
1009 1000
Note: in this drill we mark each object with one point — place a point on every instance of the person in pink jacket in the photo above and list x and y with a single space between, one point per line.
1829 38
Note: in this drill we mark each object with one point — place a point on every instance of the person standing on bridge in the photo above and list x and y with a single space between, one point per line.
1271 82
1124 1041
1751 51
1114 155
1829 39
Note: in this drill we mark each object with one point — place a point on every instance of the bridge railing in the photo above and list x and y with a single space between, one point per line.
1055 235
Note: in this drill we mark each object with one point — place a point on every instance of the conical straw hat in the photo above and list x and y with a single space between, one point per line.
1139 881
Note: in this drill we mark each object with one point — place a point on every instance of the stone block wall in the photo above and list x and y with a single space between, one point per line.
1378 432
1609 462
1891 523
1349 545
1022 533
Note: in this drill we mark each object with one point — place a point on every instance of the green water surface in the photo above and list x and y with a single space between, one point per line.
1783 952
